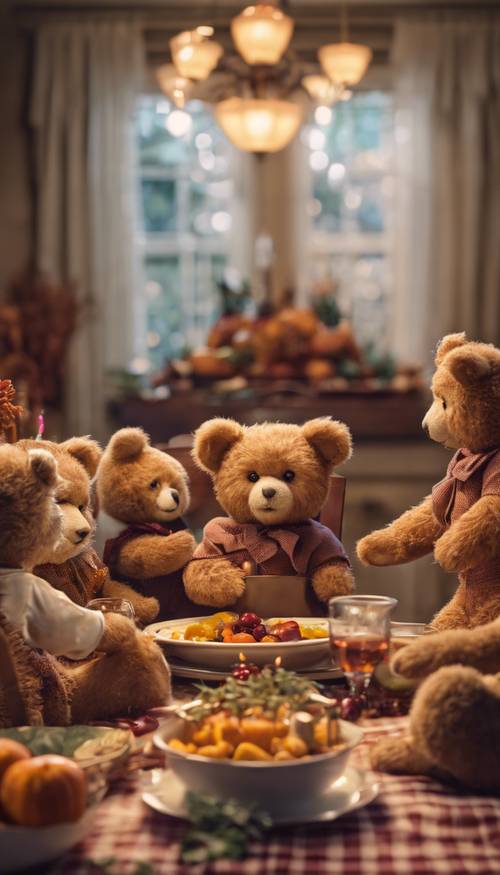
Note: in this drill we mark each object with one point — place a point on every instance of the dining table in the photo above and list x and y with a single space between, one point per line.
415 826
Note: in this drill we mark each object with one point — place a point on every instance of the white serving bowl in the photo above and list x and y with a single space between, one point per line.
23 846
258 782
220 656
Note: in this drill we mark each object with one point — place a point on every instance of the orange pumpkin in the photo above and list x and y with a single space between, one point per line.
10 752
44 790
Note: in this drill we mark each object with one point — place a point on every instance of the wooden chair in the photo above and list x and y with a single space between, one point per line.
204 505
12 706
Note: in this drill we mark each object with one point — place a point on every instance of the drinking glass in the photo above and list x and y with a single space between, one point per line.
113 606
360 630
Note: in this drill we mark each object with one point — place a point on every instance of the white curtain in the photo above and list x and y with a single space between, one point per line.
447 79
85 82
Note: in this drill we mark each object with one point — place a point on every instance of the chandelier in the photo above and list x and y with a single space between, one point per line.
259 92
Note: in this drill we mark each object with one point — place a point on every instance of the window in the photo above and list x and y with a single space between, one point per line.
185 218
350 158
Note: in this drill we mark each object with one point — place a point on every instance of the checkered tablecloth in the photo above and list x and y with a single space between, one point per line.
415 827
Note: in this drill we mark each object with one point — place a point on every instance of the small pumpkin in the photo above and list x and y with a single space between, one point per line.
43 791
11 752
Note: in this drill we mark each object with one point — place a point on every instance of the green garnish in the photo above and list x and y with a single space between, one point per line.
268 690
220 829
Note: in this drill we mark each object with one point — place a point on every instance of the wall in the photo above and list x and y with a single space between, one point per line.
15 201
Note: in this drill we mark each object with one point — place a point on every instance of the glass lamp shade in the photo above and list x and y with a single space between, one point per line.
258 125
321 89
176 87
344 63
194 55
261 33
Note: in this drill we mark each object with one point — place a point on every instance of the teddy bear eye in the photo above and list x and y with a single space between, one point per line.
288 476
81 508
253 476
154 484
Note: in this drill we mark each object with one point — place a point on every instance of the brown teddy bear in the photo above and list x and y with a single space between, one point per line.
73 565
460 521
142 494
272 479
454 726
109 666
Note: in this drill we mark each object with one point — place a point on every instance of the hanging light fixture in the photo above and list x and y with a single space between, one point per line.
176 87
261 33
321 89
345 63
259 124
194 54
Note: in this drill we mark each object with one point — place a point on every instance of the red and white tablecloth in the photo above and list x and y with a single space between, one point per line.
415 827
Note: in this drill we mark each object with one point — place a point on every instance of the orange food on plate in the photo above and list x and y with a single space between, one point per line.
11 752
44 790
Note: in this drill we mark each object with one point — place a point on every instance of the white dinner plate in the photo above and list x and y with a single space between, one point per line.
222 656
164 792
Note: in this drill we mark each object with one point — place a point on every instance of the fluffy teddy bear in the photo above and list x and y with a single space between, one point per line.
272 480
108 667
460 520
73 565
142 494
454 723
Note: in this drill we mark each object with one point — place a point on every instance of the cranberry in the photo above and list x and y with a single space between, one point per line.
287 631
352 707
259 631
249 620
243 670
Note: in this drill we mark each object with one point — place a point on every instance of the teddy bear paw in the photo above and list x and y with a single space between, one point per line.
414 661
376 549
332 580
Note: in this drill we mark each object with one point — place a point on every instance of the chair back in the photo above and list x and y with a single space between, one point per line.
12 707
204 506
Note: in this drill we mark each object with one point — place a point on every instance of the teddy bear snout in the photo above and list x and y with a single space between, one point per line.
168 500
81 534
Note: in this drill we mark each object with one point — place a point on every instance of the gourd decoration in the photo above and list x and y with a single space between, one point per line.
43 791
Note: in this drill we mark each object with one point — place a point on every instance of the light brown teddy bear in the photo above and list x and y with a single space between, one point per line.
454 727
109 666
460 521
272 479
142 494
73 565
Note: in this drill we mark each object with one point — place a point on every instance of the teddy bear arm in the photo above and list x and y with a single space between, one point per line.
154 555
214 582
409 537
478 648
399 756
331 579
146 609
473 538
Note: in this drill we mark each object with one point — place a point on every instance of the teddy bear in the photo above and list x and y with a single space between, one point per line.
460 520
70 664
272 479
454 722
73 565
142 494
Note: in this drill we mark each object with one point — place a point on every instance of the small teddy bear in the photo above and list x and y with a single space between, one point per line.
73 565
454 720
109 666
460 521
272 480
142 494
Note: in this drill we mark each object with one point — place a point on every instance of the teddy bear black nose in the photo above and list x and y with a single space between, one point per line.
175 495
82 533
268 492
425 426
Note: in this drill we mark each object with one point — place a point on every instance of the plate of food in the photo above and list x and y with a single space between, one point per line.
262 740
47 804
89 746
216 641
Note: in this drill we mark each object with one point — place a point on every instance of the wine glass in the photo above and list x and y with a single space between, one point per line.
360 630
113 606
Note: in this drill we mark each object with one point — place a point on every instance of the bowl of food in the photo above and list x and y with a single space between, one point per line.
47 805
260 739
216 641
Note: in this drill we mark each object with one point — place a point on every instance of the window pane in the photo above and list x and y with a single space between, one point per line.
164 322
159 207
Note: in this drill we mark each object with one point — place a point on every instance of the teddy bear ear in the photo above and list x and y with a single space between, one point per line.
44 467
84 450
127 443
447 343
331 439
212 440
468 365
